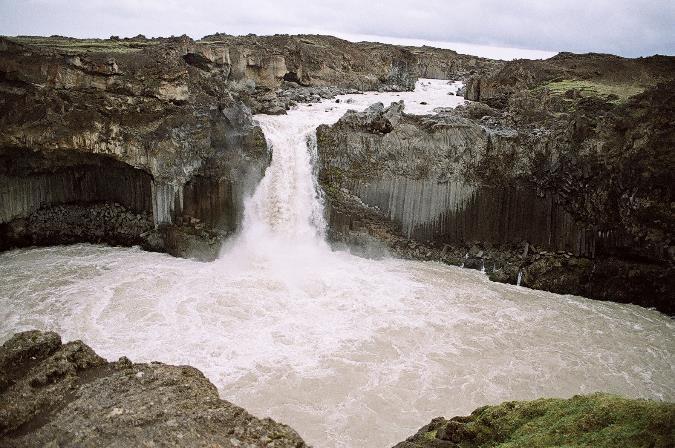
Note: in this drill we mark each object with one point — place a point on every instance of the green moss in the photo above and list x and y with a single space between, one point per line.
69 45
598 420
430 435
615 92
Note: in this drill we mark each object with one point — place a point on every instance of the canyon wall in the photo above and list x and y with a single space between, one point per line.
133 125
161 129
422 174
562 166
566 192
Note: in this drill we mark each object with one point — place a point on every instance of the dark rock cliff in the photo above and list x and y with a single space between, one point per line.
134 125
569 190
151 141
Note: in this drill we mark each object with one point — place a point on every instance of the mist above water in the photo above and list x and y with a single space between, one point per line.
350 352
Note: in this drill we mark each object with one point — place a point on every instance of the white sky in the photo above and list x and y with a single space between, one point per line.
625 27
486 51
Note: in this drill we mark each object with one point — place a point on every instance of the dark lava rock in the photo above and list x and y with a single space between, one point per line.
54 394
585 177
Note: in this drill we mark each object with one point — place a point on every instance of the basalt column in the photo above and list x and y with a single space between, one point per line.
65 197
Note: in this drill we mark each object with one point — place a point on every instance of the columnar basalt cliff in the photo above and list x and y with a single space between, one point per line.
567 187
132 124
151 141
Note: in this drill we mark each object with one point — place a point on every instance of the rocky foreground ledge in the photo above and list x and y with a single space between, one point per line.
54 394
61 395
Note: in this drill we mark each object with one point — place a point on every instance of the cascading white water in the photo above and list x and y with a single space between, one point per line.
286 203
286 207
350 352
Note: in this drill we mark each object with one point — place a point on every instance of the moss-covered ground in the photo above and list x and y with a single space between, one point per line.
70 45
598 420
617 92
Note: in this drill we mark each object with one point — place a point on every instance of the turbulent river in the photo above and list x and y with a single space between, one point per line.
350 352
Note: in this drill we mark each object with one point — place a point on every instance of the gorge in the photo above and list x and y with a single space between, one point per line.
333 304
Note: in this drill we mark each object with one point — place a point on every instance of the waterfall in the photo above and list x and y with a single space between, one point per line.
286 209
335 345
287 203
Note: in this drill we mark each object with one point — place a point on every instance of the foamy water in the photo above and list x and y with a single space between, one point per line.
350 352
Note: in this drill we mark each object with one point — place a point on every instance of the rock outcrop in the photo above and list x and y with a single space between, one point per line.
598 420
130 123
603 72
568 191
54 394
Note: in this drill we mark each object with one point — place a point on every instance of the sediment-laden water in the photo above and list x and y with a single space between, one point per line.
351 352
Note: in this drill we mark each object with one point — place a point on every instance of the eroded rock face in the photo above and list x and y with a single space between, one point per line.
66 395
175 110
154 111
137 123
569 193
423 172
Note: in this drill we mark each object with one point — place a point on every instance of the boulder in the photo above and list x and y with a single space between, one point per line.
54 394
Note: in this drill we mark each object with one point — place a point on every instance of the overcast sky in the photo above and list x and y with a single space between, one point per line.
625 27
